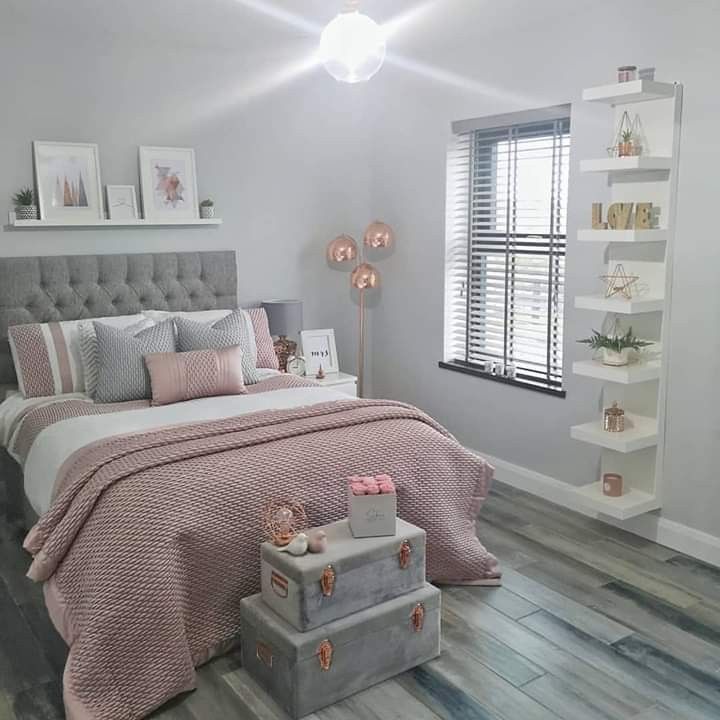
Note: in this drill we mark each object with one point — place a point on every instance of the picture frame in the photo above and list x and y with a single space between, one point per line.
318 348
121 202
168 183
67 181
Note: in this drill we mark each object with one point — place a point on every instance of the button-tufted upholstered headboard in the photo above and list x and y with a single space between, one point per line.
71 287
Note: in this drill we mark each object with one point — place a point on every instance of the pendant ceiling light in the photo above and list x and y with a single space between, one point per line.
352 46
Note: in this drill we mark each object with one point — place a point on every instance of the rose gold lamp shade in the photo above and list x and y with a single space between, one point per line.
378 235
364 276
342 249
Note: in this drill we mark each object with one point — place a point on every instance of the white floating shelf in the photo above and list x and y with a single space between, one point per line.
640 432
631 503
54 224
623 236
619 305
624 375
626 164
629 92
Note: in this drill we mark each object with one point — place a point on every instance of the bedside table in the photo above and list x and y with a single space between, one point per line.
339 381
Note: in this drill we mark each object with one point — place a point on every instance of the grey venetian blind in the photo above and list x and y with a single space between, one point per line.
506 236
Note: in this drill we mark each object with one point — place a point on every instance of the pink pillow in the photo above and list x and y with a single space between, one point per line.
175 377
266 357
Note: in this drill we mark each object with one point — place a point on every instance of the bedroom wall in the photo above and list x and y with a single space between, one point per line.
280 151
473 59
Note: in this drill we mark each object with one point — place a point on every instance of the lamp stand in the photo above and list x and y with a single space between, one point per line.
361 342
284 348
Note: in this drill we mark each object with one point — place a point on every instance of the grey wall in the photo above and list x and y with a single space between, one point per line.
472 59
286 167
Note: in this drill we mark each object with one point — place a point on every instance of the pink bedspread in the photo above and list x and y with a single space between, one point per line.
153 538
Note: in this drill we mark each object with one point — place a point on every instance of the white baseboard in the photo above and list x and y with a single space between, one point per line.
651 526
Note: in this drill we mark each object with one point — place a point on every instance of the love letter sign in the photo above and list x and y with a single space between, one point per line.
620 216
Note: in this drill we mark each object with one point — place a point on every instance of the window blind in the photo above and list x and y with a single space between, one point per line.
505 247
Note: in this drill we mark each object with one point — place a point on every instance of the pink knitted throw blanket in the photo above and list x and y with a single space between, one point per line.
153 538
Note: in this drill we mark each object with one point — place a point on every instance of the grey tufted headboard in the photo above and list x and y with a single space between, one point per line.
71 287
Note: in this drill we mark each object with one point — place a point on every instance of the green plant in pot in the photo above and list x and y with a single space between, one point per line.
207 209
24 201
615 347
625 148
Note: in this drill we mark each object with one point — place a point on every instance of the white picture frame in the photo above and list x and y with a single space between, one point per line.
318 347
67 180
168 183
121 202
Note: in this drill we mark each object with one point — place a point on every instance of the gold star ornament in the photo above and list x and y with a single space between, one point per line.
619 282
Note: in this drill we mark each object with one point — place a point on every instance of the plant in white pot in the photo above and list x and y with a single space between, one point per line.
207 209
615 347
25 207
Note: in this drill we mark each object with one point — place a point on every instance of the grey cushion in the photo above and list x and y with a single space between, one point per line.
122 374
229 331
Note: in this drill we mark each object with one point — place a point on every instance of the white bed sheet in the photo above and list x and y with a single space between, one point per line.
58 441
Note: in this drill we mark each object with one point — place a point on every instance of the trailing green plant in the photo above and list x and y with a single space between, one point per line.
627 136
207 203
24 196
614 342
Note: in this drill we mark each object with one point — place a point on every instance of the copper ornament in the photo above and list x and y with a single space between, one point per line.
342 249
378 235
365 277
283 520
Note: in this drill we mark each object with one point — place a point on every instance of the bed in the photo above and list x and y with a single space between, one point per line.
145 521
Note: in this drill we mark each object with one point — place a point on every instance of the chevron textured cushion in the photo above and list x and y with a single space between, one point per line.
122 374
235 329
266 356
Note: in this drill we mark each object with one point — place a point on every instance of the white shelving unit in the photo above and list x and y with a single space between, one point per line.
640 388
55 225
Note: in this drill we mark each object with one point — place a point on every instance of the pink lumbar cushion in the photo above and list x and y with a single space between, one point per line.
175 377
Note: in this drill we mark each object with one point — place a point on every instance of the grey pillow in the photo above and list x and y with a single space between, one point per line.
227 332
122 374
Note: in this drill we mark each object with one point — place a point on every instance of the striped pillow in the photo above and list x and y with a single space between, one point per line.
47 356
266 356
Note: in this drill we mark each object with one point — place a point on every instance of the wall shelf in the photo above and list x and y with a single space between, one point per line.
633 502
600 303
625 375
629 92
640 432
55 225
622 236
641 163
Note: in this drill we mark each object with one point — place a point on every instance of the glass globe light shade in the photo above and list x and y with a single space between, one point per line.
342 248
365 277
352 47
378 235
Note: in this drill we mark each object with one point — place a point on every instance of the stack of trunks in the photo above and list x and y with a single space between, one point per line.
328 625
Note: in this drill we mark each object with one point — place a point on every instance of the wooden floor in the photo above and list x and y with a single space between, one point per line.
590 624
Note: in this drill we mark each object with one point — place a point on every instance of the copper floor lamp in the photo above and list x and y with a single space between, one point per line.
363 277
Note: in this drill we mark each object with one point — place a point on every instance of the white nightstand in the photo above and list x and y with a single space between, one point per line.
340 381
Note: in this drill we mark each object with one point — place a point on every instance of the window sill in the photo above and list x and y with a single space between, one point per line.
468 370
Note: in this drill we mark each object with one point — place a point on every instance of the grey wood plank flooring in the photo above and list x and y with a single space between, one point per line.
592 623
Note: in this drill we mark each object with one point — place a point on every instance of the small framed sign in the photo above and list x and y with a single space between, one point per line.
121 202
319 349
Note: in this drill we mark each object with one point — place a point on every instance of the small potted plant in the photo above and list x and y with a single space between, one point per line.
625 147
207 209
615 347
25 207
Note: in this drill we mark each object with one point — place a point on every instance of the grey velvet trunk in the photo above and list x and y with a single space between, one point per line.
306 671
366 572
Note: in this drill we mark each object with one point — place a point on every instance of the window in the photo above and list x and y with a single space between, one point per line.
507 190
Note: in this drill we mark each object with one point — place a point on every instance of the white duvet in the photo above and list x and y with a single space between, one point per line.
59 441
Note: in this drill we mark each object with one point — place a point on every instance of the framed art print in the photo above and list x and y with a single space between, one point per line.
68 181
168 184
319 349
121 202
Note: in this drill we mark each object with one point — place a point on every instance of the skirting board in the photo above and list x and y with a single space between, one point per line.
650 526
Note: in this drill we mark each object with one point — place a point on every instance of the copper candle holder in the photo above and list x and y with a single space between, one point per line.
283 520
614 419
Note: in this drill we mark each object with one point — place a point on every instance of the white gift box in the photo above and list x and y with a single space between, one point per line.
372 515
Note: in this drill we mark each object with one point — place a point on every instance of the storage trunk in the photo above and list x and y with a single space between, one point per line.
304 672
352 574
